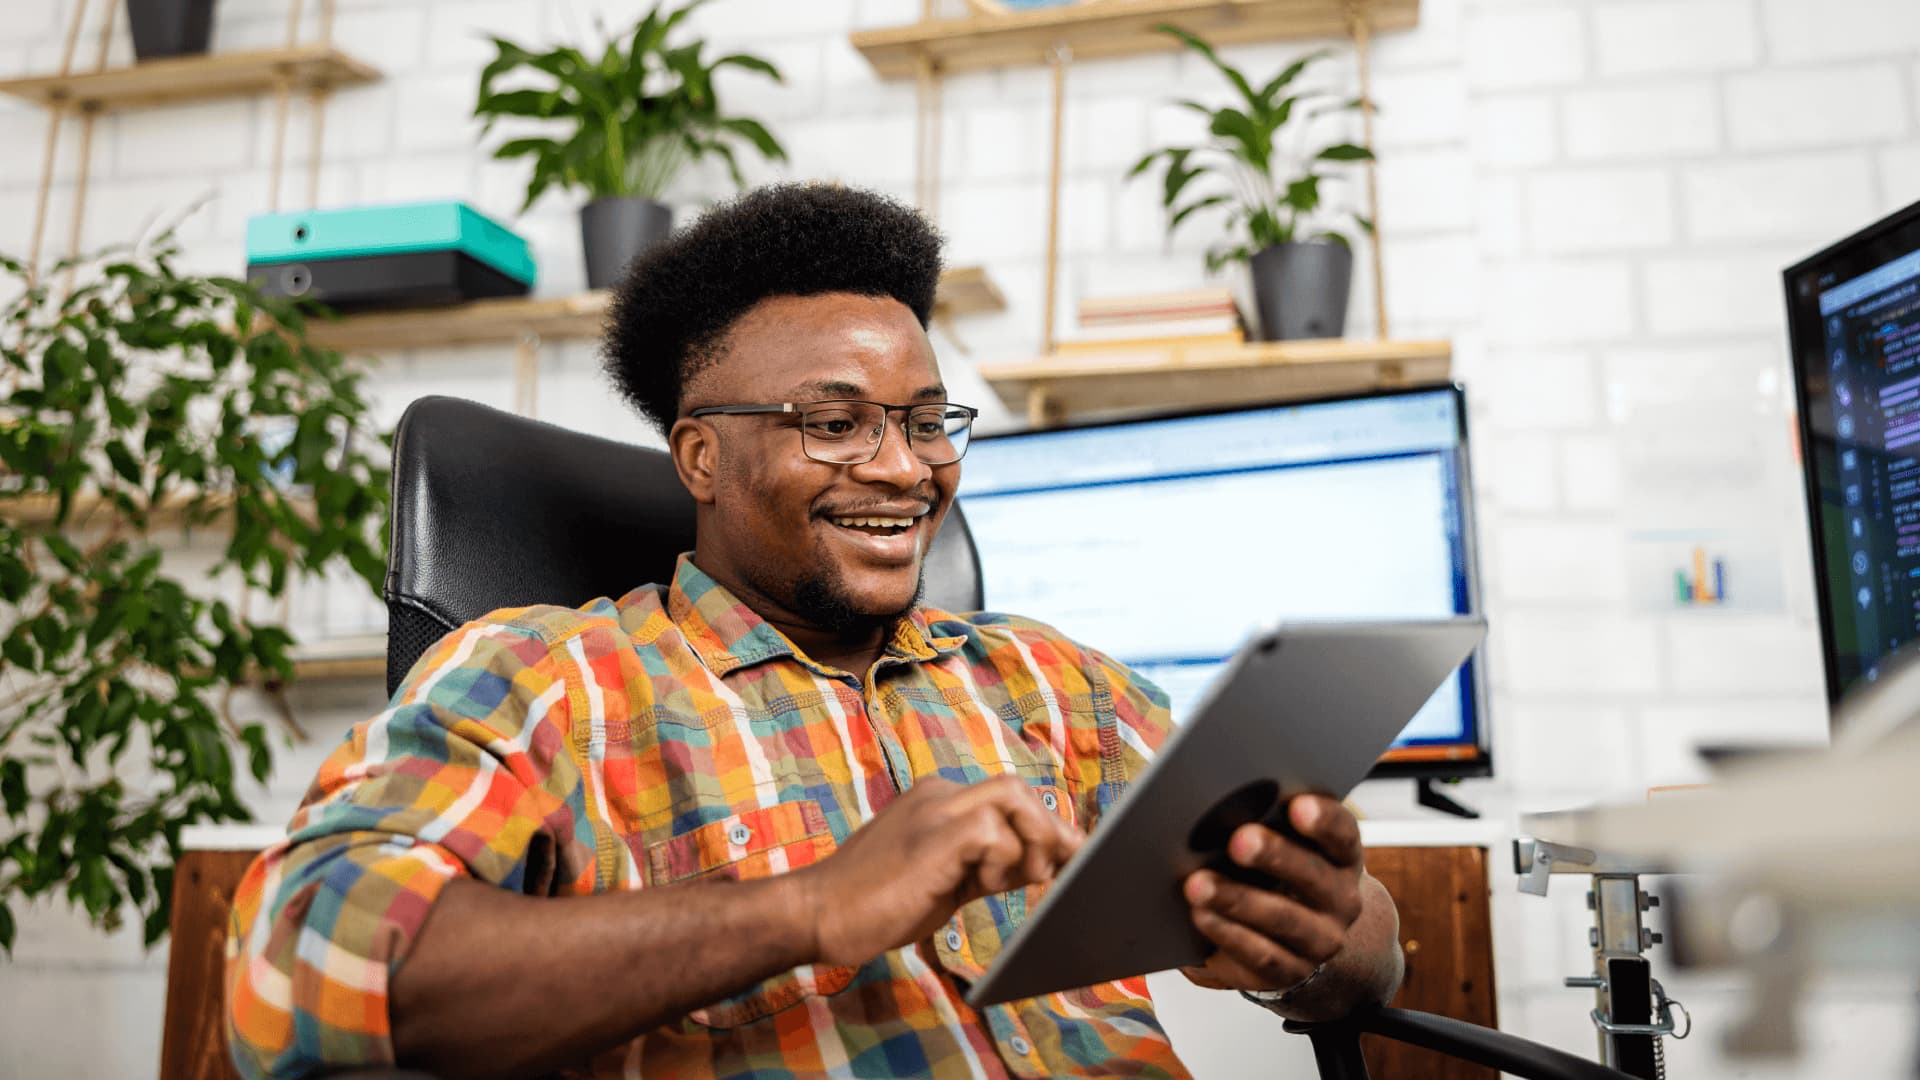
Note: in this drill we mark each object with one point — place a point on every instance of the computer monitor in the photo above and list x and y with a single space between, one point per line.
1854 325
1164 541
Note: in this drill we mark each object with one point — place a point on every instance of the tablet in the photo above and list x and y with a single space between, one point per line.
1307 707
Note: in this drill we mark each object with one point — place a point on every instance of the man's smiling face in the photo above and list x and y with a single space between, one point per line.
837 548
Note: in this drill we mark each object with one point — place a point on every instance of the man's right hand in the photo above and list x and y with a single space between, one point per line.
941 844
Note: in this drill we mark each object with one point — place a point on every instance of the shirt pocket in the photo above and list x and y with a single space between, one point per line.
979 932
753 844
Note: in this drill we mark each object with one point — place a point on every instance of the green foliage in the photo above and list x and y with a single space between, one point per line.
132 408
1274 196
630 121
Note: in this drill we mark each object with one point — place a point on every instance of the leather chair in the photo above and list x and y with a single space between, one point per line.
492 510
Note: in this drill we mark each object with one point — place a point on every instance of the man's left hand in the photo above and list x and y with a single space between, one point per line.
1274 939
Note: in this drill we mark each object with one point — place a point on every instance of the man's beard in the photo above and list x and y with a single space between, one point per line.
821 599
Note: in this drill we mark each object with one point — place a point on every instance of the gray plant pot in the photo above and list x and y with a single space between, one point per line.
163 28
1300 290
614 230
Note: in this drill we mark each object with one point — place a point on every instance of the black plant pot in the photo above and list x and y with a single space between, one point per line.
614 230
1301 290
163 28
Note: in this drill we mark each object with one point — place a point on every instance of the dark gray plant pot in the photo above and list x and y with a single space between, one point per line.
1301 290
613 231
163 28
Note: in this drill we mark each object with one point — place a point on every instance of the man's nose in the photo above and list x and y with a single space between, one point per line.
894 461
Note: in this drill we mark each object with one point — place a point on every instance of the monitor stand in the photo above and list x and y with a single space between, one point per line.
1425 795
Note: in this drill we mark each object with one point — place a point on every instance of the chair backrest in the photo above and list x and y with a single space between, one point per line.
492 510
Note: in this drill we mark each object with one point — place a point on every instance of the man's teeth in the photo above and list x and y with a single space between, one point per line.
875 522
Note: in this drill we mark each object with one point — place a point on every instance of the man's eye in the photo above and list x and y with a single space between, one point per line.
830 427
928 429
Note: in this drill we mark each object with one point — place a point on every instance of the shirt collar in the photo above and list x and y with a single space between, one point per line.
728 635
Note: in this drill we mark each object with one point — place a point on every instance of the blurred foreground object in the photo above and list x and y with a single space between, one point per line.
1804 861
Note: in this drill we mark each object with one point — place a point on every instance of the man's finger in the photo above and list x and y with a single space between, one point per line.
1298 869
993 848
1330 826
1247 958
1300 929
1045 837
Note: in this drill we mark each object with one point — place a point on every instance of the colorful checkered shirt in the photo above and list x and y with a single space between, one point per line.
671 734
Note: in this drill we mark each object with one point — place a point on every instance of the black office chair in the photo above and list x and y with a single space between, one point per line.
492 510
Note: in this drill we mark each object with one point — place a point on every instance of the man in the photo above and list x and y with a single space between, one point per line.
771 819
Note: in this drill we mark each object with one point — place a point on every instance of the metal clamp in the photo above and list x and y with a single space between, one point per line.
1664 1005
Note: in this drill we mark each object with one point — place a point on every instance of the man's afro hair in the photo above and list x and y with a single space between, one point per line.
672 312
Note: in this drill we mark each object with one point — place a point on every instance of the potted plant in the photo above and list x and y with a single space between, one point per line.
163 28
1302 268
634 118
133 409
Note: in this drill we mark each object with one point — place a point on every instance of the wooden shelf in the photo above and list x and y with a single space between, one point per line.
1049 389
195 78
1109 28
967 290
964 290
91 508
479 323
360 657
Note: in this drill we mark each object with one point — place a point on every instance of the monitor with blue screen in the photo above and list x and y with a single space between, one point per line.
1164 542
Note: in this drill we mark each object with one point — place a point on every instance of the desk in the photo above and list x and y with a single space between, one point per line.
1436 872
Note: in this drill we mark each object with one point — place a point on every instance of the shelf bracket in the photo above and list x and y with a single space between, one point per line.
1059 57
526 374
1360 25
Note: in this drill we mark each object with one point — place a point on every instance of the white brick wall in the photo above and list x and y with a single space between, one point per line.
1663 119
1593 198
1646 37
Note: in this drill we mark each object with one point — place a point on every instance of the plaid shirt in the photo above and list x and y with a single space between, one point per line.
673 734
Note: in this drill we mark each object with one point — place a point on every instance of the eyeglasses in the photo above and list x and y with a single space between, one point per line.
848 432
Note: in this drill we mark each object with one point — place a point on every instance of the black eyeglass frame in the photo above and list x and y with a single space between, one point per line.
799 408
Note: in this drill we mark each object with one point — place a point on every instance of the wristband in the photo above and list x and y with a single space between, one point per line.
1277 997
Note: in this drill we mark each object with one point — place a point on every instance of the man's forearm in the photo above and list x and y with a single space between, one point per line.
1366 971
499 984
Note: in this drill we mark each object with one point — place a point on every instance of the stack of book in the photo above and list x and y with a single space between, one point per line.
1157 321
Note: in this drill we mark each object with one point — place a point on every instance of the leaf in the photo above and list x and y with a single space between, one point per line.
259 755
753 132
1344 152
125 465
1303 194
1252 145
751 63
1146 162
1233 75
1291 72
1188 210
1179 175
7 929
13 786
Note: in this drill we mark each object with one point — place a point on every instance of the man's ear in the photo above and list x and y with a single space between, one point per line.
696 456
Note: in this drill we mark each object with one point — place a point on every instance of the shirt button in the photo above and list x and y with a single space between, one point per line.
953 939
1020 1046
1052 800
739 835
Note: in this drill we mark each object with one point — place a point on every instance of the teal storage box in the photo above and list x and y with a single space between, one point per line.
362 231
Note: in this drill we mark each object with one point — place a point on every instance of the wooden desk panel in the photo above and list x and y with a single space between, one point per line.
1446 931
194 1043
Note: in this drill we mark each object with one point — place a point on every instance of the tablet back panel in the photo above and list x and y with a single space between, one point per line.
1307 707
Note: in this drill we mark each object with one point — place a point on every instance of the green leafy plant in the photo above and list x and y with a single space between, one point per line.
1275 195
638 115
145 403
